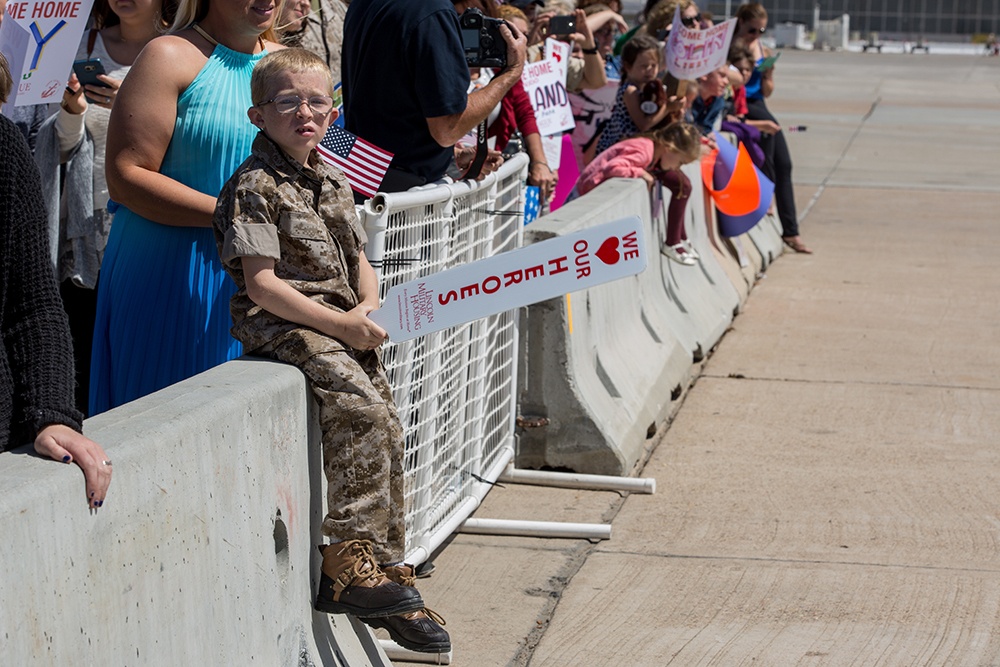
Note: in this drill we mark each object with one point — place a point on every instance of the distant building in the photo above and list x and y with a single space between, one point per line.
904 19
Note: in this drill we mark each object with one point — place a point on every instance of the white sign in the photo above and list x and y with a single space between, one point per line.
13 43
691 53
55 28
545 84
513 279
552 146
590 108
561 52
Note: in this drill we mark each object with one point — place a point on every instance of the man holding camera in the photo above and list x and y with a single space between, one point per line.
405 80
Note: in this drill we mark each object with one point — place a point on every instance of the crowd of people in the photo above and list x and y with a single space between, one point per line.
174 213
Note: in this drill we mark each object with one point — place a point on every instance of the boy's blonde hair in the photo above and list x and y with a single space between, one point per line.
684 139
294 60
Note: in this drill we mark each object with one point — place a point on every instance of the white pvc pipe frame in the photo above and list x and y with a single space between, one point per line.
375 218
569 480
374 214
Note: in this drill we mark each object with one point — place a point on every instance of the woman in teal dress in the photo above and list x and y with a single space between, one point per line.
178 130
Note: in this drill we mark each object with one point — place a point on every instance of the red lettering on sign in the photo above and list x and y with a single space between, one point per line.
559 263
59 10
451 295
470 290
534 271
631 244
486 289
513 278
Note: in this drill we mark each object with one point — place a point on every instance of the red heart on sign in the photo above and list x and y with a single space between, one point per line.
608 252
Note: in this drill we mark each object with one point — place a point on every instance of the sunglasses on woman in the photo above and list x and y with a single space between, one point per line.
691 21
756 31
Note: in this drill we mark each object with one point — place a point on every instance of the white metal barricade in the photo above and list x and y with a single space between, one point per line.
455 390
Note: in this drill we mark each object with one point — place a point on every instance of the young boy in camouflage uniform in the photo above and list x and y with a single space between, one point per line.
289 236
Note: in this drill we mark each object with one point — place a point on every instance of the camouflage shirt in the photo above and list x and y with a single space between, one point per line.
304 219
322 33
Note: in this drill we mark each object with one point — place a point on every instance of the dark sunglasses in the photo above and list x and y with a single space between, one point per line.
691 21
756 31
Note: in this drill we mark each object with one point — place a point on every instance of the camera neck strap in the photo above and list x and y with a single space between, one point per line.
481 151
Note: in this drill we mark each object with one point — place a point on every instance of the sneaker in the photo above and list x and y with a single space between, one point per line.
677 253
689 247
351 582
419 630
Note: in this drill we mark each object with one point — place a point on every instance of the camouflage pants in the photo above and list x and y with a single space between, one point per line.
362 440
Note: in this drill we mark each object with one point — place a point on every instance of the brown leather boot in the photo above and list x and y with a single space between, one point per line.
351 582
418 630
403 574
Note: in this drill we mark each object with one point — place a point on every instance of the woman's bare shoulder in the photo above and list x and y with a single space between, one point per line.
169 59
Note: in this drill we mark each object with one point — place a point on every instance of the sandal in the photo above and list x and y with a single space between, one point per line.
796 244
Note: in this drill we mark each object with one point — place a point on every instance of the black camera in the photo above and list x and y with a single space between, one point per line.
484 45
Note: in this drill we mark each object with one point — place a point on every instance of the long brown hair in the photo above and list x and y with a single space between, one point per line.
749 11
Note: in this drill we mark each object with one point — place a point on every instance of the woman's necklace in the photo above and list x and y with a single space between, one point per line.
201 31
214 42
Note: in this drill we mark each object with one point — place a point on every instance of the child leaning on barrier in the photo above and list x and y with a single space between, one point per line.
290 238
655 157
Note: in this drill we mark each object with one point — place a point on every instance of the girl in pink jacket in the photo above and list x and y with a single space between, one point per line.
655 156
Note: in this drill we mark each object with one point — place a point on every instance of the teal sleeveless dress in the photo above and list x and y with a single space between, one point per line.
163 296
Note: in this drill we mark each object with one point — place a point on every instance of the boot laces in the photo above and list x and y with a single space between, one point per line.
429 613
364 566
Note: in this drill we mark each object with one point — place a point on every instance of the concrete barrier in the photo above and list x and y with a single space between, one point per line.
602 373
607 382
204 552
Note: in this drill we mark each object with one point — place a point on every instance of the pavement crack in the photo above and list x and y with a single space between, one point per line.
840 158
916 385
803 561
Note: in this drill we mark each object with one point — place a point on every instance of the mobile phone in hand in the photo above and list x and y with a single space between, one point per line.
562 25
86 72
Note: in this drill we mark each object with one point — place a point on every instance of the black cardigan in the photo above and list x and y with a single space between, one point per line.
36 359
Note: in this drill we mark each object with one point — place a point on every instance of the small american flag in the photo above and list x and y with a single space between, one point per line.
363 163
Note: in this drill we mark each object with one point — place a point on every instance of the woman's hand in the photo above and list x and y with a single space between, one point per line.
583 36
73 100
62 443
765 126
104 96
598 20
650 180
540 28
539 174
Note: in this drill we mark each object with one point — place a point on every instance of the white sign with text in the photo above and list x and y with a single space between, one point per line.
692 53
513 279
545 84
55 29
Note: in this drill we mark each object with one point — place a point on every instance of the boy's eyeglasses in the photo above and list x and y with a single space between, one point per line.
318 104
691 21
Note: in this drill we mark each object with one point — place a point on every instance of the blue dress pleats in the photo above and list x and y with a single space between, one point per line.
163 297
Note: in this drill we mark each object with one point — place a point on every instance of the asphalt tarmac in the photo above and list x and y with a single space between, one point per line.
827 493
